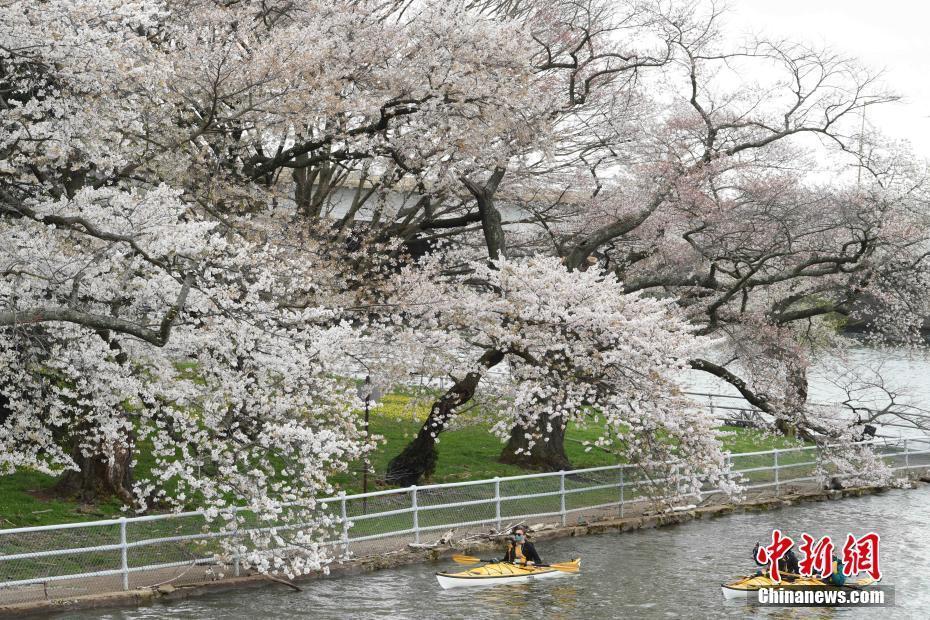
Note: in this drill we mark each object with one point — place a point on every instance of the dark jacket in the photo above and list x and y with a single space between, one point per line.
788 563
527 549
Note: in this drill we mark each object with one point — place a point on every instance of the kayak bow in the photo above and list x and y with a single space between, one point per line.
497 573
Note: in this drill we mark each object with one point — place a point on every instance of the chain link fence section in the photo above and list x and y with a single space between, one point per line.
64 561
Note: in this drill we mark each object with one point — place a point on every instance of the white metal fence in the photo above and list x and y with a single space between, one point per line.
73 559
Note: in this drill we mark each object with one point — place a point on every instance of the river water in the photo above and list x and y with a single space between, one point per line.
672 572
900 370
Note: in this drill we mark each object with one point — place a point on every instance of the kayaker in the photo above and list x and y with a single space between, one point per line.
788 564
520 550
836 578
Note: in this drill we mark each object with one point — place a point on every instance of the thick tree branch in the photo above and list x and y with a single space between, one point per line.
490 216
158 337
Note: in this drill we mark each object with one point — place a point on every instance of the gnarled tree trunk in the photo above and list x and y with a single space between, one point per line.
99 478
547 452
419 457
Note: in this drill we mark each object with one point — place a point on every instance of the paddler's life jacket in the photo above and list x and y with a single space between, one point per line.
521 553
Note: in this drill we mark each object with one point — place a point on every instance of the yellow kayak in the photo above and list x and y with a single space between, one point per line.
498 573
745 586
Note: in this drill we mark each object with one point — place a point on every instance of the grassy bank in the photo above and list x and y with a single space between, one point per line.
467 452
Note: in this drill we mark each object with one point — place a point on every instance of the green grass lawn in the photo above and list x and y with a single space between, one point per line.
24 501
469 452
466 452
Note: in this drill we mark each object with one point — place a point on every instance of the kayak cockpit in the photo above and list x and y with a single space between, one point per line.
497 573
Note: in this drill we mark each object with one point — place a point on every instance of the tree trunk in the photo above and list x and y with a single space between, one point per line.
5 412
98 478
548 452
491 223
795 398
418 459
311 188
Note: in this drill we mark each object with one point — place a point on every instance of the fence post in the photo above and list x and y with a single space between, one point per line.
345 524
124 552
497 502
775 465
416 514
621 491
562 494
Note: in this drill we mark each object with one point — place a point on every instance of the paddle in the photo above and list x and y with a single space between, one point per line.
467 559
564 567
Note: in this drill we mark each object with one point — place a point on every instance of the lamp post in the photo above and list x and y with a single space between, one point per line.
370 394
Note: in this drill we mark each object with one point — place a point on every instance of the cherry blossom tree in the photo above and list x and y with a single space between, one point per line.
678 190
142 304
142 148
209 212
154 295
577 349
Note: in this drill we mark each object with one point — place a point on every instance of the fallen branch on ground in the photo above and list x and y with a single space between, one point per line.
285 582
